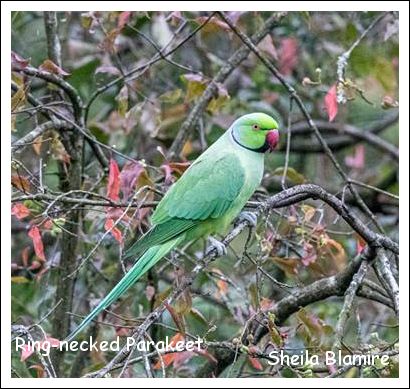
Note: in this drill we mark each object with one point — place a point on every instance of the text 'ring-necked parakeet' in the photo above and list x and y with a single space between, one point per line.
204 201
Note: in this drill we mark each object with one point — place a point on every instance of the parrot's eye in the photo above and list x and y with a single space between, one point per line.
255 127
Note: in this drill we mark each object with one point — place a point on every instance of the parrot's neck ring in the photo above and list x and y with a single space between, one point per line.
262 149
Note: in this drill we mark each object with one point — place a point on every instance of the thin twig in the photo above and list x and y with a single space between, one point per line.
348 304
232 63
292 92
343 59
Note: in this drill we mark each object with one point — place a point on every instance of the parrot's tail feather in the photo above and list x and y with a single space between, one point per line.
149 259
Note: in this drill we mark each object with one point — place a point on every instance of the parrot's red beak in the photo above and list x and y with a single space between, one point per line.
272 138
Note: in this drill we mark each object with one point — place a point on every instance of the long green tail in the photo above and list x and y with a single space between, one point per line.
149 259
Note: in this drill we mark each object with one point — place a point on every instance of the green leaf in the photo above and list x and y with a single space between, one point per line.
253 291
122 100
176 317
160 297
86 20
308 212
171 97
385 73
99 133
18 99
184 303
199 316
195 86
19 280
216 104
291 174
274 330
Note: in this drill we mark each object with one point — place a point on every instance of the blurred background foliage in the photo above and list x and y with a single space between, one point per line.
141 118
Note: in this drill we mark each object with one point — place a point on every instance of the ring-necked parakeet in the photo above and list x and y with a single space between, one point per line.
204 201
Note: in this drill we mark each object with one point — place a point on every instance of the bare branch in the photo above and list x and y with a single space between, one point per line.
348 304
344 58
292 92
354 134
36 132
234 61
142 68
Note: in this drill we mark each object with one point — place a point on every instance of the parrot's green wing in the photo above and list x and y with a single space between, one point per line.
206 190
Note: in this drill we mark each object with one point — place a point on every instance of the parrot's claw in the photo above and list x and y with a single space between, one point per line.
219 246
250 217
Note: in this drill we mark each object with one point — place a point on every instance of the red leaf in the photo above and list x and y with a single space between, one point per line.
48 224
331 103
255 363
20 211
113 189
168 173
20 182
174 167
115 231
181 358
122 331
169 358
26 352
222 287
17 62
28 349
129 177
177 317
288 57
309 255
39 369
357 160
116 213
24 255
360 244
51 67
123 19
34 234
35 265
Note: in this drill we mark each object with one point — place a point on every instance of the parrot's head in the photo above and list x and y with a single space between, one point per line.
256 132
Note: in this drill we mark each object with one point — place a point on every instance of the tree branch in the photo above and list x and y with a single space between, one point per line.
36 132
234 61
348 304
317 291
70 179
343 59
321 289
293 94
303 192
140 69
366 135
72 94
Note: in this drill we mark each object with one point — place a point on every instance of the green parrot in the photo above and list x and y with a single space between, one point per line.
204 201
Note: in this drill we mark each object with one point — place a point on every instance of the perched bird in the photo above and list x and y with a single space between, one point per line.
204 201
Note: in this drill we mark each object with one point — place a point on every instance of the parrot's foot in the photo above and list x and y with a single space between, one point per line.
219 246
250 217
